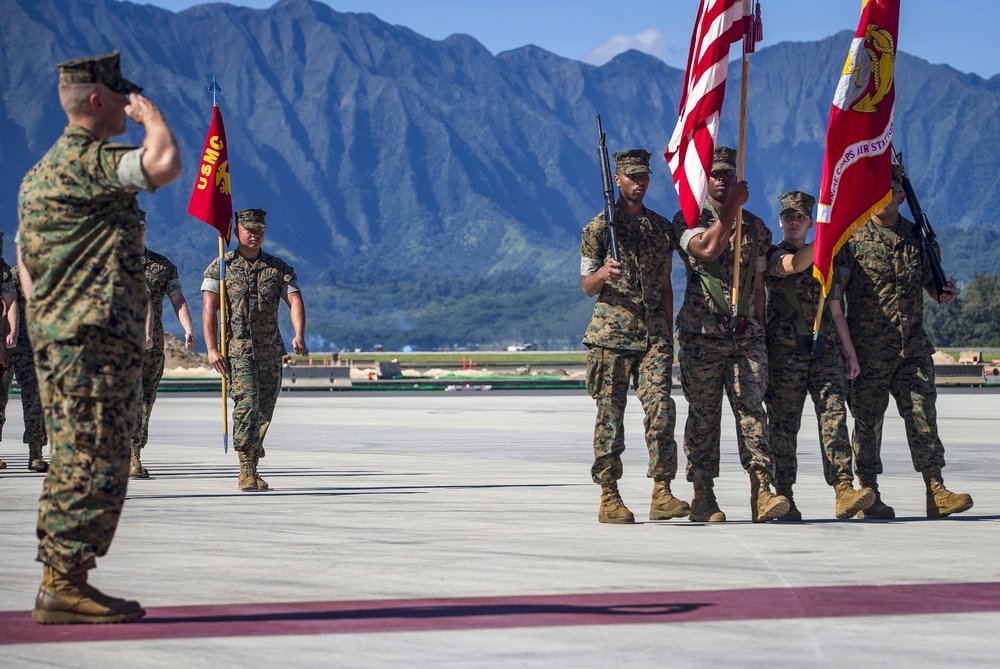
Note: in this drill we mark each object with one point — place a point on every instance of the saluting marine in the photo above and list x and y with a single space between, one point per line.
79 257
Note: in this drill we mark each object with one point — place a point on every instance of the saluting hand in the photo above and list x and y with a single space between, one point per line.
141 110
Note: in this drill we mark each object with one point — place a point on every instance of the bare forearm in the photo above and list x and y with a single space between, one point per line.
712 243
210 320
793 263
11 324
592 284
298 309
162 159
22 274
184 316
667 301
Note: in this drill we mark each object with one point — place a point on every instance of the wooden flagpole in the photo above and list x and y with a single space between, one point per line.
214 88
751 35
222 341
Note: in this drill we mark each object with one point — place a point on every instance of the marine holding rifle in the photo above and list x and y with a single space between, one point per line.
629 339
720 349
888 273
799 364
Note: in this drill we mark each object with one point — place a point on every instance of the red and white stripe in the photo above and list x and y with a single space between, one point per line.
689 154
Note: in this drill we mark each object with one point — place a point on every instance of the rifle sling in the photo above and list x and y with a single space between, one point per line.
789 307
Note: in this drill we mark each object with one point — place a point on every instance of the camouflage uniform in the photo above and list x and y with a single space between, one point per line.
791 374
254 348
711 360
161 280
629 339
81 244
885 310
22 364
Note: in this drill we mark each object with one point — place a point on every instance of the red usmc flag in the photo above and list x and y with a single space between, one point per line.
857 167
212 198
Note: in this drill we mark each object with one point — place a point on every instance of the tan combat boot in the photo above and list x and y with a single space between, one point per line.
664 505
942 502
248 472
36 462
3 465
851 501
135 468
878 510
704 508
613 509
261 483
764 505
793 512
67 598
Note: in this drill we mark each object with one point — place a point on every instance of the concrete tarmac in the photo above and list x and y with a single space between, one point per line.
460 530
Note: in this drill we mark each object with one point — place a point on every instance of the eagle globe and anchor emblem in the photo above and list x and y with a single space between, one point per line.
868 72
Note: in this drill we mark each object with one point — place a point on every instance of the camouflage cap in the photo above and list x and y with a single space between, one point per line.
251 219
104 69
797 201
632 162
724 158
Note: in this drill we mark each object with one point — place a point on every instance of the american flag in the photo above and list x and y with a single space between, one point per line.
689 154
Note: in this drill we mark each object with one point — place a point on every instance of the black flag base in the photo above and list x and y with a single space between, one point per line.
812 348
732 325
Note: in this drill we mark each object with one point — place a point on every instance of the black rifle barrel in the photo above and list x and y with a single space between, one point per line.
609 192
923 227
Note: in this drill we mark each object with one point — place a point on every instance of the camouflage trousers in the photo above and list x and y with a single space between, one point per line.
254 386
609 372
22 366
88 387
152 372
739 365
911 382
791 376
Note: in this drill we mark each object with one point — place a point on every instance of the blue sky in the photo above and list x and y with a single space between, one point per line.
960 33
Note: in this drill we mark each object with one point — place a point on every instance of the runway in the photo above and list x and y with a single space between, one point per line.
459 530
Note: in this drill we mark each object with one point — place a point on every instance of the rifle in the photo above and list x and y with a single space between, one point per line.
609 192
922 226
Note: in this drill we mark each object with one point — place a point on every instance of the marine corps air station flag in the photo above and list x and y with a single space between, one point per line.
212 198
857 167
720 23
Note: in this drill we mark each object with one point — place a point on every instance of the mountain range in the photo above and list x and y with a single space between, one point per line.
432 193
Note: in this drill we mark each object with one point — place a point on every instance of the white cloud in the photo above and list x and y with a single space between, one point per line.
651 41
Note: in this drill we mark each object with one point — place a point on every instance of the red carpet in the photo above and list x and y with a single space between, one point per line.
417 615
